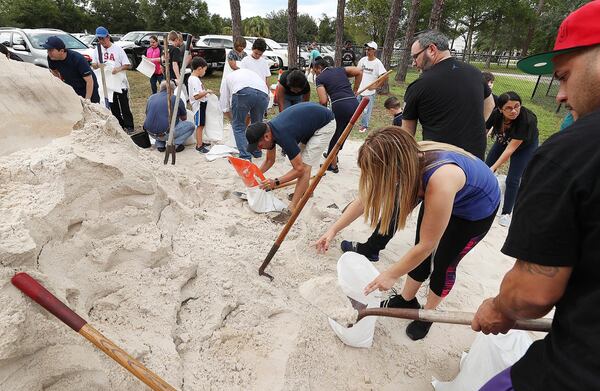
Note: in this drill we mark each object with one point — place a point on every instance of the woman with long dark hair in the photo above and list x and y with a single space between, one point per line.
515 130
461 197
332 84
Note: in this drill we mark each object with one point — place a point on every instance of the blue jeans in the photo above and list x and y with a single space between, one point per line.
518 162
183 130
247 100
154 80
290 100
366 116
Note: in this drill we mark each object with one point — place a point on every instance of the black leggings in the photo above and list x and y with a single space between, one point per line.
343 110
458 239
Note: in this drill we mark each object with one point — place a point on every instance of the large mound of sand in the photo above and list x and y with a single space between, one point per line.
163 260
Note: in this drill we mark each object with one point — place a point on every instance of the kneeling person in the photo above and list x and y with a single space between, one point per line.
305 123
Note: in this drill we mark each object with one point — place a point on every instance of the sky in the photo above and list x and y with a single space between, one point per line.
314 8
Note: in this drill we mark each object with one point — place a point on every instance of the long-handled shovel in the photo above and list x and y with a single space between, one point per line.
452 317
167 76
43 297
101 66
375 82
170 147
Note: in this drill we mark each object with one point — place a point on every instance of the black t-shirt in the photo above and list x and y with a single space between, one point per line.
175 55
397 119
72 71
556 222
284 84
348 58
524 127
448 102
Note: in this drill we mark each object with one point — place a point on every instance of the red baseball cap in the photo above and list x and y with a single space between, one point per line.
580 29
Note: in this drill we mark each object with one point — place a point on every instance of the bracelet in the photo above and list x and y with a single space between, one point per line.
276 181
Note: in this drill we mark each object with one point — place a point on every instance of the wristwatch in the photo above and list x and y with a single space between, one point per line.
276 181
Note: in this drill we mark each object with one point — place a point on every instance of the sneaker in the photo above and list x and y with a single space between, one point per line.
161 149
202 149
353 247
257 154
179 148
362 129
334 169
397 301
417 329
504 220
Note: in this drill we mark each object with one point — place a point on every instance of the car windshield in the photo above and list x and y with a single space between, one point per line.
273 44
38 39
132 36
87 39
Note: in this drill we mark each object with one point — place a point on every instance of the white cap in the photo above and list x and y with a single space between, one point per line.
371 45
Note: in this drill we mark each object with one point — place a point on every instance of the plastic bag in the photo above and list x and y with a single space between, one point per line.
213 129
248 171
146 67
355 271
220 151
261 201
488 356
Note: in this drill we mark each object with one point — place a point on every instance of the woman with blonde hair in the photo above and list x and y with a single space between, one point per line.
461 196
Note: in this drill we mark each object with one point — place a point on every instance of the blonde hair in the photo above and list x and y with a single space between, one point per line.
392 164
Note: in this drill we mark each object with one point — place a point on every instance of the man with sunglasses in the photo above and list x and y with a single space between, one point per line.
116 57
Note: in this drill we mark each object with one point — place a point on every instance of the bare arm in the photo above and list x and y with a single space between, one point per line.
55 73
269 161
508 151
89 86
353 211
233 64
280 92
528 291
306 97
410 125
357 74
323 98
488 106
176 70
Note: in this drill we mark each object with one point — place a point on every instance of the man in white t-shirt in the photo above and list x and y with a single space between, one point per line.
372 68
115 57
256 62
243 93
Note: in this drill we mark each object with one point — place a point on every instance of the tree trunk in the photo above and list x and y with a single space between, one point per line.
411 26
435 19
468 43
236 18
538 11
390 38
292 33
339 32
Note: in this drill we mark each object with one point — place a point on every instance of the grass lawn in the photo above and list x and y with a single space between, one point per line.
548 121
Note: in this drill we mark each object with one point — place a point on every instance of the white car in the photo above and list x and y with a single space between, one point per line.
226 41
272 46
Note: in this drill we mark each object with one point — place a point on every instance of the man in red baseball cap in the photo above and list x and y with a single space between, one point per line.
555 230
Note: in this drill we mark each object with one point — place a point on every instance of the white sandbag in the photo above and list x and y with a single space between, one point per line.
502 184
261 201
220 151
184 93
146 67
192 139
355 271
213 129
271 100
113 82
488 356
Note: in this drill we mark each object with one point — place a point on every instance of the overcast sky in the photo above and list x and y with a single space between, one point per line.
314 8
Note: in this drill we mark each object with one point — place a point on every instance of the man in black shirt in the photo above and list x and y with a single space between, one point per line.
175 58
555 230
348 55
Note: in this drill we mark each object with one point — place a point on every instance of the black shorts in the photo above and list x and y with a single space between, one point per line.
200 116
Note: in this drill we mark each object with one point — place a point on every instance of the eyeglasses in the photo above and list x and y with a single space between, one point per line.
508 109
414 56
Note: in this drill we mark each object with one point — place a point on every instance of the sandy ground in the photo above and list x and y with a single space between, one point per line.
163 260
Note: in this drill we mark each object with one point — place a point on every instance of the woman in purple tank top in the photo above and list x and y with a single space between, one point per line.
461 197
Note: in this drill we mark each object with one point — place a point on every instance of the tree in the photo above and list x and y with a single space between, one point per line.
339 32
236 18
292 33
365 19
326 32
307 28
390 38
531 30
278 25
435 18
405 58
256 27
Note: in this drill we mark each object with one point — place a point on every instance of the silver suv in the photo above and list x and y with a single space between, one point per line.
27 44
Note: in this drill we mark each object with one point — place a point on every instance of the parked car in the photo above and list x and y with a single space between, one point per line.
226 41
135 44
27 44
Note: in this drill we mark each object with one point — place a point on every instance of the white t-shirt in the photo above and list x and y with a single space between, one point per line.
114 56
237 80
195 87
260 66
371 71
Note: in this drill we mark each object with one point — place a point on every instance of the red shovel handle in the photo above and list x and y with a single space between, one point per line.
40 295
361 106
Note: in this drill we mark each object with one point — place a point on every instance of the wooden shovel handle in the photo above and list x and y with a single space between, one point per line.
52 304
375 82
453 317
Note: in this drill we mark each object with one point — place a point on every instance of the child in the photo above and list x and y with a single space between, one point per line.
256 62
237 53
198 100
394 107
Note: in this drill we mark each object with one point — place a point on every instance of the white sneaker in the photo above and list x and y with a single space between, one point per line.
504 220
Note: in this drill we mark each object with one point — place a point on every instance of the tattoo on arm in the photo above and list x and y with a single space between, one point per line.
532 268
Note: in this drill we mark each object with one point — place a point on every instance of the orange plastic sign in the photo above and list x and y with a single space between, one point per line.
247 170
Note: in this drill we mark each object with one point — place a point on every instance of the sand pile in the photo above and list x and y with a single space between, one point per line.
163 260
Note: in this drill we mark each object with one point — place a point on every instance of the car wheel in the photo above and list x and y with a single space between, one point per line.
280 62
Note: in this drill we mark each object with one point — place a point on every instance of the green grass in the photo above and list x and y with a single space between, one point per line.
548 121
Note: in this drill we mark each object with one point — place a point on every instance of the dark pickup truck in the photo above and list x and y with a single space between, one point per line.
135 44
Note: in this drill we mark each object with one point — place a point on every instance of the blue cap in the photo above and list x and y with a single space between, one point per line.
101 32
53 42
